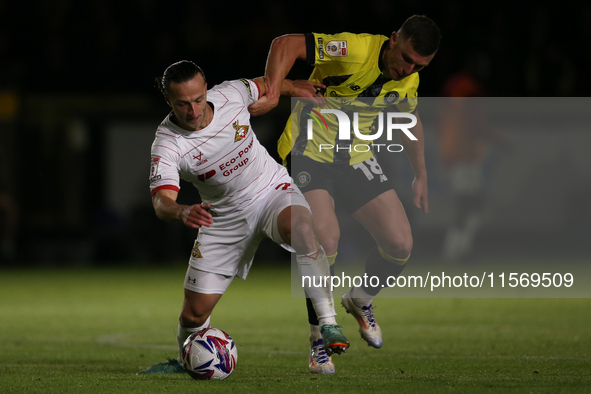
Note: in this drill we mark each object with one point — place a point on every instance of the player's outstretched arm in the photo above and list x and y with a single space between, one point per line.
415 150
166 207
281 58
297 88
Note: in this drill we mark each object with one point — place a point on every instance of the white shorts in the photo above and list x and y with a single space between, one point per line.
206 282
228 247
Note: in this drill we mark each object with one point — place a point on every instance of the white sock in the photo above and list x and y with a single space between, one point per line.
360 297
185 332
327 320
314 333
314 269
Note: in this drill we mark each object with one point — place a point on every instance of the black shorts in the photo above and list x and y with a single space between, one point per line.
352 186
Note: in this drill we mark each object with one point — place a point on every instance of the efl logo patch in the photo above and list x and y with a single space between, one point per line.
241 131
336 48
154 170
154 166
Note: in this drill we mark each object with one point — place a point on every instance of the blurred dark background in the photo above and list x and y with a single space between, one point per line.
78 109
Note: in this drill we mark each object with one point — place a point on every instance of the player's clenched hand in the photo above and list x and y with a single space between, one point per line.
313 92
270 93
419 188
197 215
262 106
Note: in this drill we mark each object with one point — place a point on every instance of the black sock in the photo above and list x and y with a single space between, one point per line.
376 265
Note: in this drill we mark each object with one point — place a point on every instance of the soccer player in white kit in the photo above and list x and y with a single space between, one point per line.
207 140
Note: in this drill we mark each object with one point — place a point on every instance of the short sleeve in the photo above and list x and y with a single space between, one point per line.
164 171
250 90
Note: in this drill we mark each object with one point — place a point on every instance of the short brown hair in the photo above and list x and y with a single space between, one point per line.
423 33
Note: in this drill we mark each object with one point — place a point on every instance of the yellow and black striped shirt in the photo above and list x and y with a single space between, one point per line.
350 66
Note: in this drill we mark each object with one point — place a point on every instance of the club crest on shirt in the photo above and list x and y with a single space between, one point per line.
390 97
241 131
336 48
196 252
303 178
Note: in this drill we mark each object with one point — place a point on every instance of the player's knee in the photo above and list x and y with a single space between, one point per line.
295 227
330 244
302 236
405 247
193 318
400 248
301 229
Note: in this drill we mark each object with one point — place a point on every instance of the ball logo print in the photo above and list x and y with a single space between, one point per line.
209 354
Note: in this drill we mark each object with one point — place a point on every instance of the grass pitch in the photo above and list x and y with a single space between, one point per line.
90 330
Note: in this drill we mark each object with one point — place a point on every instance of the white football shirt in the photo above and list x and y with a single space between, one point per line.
225 160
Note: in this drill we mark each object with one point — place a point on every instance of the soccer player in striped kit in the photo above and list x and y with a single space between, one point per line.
375 67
